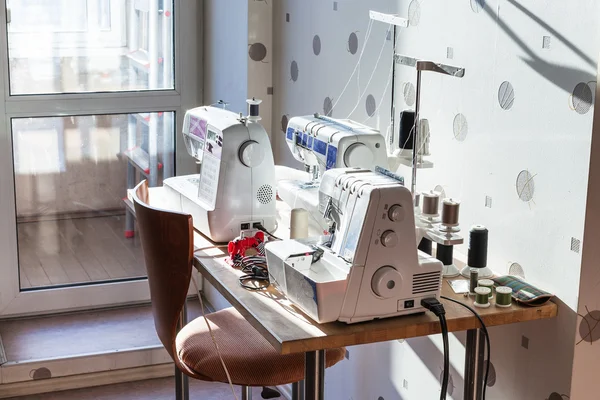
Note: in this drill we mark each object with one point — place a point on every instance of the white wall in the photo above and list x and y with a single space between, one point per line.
548 51
226 53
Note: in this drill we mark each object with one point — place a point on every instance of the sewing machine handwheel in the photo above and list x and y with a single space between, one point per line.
386 282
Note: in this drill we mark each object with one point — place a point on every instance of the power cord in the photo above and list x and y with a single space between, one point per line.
487 339
260 227
433 305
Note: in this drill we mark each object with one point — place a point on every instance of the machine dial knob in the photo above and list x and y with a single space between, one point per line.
251 153
386 282
396 213
389 239
358 155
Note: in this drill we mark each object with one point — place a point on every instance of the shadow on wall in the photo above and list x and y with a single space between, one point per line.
561 76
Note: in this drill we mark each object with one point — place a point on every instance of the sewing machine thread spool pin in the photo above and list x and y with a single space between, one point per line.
254 109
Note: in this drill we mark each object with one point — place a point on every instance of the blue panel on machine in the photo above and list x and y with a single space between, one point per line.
331 157
304 139
320 147
289 133
310 142
298 140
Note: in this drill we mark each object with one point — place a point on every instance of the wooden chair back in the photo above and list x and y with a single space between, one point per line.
168 246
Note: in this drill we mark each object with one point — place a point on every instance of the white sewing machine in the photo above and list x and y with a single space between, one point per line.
370 267
235 189
323 143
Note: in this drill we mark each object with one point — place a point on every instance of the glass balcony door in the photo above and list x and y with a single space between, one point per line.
92 105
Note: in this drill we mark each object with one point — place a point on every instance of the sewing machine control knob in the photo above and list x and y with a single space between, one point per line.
386 282
251 153
396 213
389 239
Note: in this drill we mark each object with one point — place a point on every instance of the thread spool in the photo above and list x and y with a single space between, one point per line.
407 124
478 245
482 297
503 296
450 210
474 278
444 253
488 283
426 246
299 223
254 109
431 204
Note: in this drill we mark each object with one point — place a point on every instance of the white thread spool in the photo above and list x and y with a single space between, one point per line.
299 223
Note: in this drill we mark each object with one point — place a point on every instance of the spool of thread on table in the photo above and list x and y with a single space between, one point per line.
503 296
482 297
478 245
299 223
488 283
474 278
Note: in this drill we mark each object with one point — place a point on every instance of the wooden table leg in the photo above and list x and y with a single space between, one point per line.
314 380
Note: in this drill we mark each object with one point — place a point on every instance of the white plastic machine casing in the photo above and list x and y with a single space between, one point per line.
372 269
236 184
324 142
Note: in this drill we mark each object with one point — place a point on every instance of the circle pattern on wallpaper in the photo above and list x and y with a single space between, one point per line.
414 13
450 382
506 95
515 269
582 98
370 105
477 5
460 127
317 45
556 396
588 327
284 123
257 52
294 71
525 185
353 43
491 376
328 106
410 93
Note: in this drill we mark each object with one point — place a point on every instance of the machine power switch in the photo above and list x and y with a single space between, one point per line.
396 213
389 239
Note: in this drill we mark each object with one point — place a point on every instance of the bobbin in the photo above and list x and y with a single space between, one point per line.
482 297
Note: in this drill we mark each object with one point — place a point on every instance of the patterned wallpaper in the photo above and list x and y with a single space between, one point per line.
511 140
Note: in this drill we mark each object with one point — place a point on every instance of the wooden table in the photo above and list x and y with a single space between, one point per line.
289 330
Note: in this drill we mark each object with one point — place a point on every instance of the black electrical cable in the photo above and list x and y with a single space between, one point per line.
445 378
487 339
433 305
262 228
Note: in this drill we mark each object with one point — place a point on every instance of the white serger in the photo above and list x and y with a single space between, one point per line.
322 143
370 267
236 185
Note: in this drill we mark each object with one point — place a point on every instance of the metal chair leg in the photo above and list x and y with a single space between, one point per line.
246 393
182 385
298 390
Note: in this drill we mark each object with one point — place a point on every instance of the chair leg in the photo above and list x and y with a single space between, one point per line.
298 390
182 386
246 393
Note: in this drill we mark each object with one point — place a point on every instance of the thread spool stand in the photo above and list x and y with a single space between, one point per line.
477 258
446 236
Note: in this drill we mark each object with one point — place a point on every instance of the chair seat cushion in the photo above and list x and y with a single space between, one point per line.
249 358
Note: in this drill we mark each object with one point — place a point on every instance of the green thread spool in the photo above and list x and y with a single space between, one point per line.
482 297
503 296
488 283
474 277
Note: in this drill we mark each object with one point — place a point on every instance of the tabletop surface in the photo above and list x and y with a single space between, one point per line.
289 330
